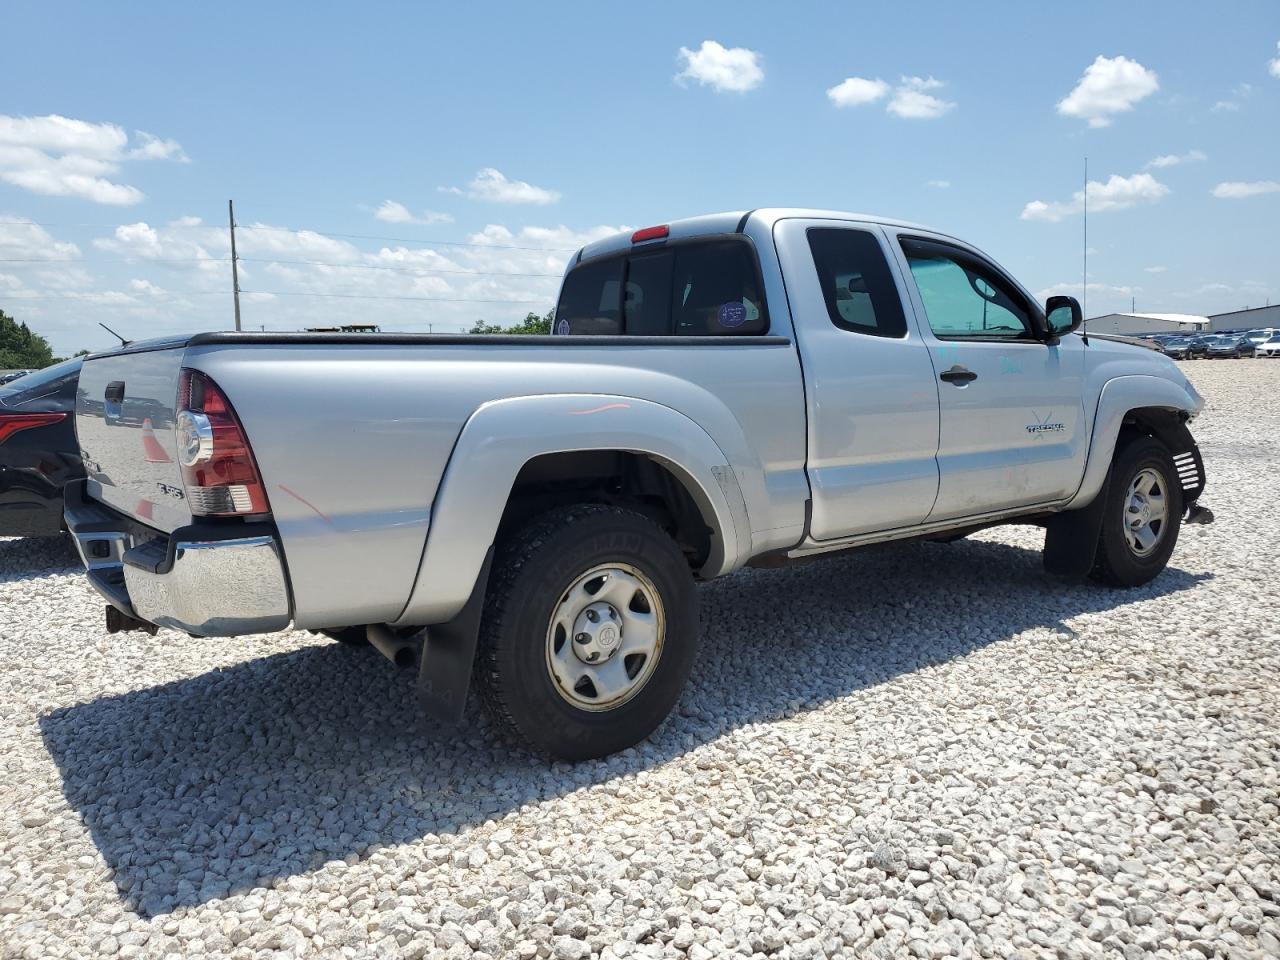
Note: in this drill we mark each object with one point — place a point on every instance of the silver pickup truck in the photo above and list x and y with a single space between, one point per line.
531 514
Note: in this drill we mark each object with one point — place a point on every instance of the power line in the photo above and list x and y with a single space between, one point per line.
116 260
169 294
364 296
321 233
400 269
413 270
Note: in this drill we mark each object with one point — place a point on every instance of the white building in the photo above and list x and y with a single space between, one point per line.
1136 324
1253 319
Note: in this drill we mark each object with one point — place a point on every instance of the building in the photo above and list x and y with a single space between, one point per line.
1137 324
1251 319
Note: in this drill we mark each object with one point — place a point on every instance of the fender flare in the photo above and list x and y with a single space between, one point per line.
501 436
1118 397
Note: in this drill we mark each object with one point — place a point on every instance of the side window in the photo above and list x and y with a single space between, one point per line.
964 299
590 299
646 306
856 283
716 290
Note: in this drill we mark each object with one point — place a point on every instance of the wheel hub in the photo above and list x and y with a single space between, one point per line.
597 633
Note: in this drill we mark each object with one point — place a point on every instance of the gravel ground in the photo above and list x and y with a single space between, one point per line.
925 750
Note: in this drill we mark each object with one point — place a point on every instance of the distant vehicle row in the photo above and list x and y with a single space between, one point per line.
1181 346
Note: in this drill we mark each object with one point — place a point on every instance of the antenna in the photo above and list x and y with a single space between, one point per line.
1084 274
235 272
123 341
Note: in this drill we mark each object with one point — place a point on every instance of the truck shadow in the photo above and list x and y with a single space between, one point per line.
233 779
23 558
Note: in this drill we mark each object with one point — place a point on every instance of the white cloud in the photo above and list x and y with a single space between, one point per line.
1156 269
153 148
1239 93
1073 289
1117 193
394 212
1274 65
1238 190
1108 87
490 184
62 157
912 101
940 184
1173 159
856 91
732 69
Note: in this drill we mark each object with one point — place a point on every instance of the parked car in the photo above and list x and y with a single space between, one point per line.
1229 346
747 388
38 452
12 375
1269 348
1179 348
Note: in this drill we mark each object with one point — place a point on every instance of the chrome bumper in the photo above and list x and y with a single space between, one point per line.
208 580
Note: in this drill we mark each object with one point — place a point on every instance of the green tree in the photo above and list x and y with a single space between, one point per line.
20 348
531 324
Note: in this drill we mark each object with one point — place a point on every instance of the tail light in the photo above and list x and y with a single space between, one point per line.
11 423
218 468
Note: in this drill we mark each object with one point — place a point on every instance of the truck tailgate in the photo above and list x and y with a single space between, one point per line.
125 409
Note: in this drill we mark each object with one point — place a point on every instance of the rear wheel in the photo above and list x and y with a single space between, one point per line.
589 632
1141 517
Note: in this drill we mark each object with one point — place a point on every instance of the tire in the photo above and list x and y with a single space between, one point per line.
531 642
1119 561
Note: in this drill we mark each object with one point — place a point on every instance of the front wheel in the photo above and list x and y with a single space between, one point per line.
1141 517
589 631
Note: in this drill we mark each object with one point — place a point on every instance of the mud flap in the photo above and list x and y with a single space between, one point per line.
448 654
1071 538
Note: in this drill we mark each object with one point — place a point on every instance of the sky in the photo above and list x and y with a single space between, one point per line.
425 166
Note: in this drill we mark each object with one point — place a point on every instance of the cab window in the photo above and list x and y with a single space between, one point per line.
856 283
965 299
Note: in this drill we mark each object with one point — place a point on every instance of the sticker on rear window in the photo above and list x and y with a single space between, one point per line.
732 314
562 328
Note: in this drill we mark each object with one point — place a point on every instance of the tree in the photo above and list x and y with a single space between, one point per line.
20 348
531 324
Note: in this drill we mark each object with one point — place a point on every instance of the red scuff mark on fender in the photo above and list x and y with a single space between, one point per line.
600 409
301 499
151 449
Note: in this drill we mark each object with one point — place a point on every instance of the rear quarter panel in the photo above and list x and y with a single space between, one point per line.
352 441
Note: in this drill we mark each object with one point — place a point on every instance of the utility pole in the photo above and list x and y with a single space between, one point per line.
235 270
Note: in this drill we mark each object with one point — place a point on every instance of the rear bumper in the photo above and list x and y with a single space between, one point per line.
211 580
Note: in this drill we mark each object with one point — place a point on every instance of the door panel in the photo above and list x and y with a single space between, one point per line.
871 395
1012 429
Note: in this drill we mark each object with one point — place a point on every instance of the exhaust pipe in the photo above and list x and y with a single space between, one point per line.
402 651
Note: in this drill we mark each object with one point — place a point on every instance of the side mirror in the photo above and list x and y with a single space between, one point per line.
1063 314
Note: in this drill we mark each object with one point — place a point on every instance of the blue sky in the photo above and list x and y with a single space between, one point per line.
498 126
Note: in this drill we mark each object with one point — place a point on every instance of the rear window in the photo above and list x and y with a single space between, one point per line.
699 288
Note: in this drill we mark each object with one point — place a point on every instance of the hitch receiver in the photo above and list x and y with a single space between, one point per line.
118 622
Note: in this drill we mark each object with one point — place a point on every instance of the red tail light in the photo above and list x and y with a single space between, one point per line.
218 468
650 233
11 423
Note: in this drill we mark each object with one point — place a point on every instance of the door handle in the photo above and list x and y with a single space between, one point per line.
958 375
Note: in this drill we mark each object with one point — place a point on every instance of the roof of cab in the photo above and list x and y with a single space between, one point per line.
730 223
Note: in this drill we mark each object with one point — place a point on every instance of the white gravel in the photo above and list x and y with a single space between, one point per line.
924 750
